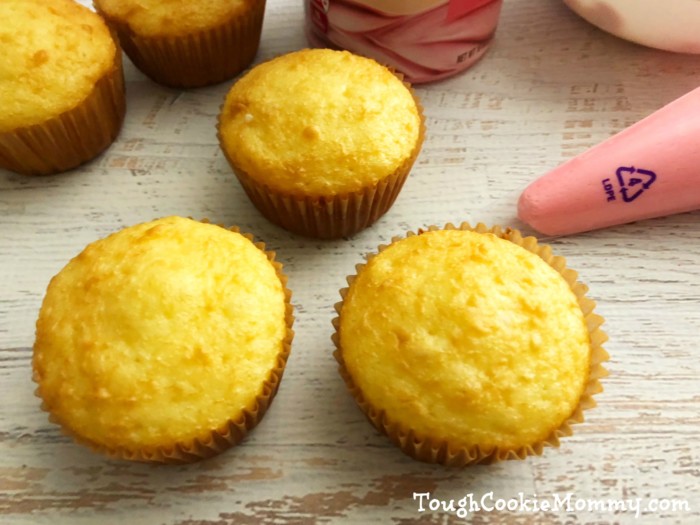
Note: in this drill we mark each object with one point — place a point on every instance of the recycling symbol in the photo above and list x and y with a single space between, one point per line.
633 182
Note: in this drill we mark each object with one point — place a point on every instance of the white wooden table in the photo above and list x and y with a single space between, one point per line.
550 87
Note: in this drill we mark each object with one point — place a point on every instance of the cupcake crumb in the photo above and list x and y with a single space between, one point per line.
40 57
310 132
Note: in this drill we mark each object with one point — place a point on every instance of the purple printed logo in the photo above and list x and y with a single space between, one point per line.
631 183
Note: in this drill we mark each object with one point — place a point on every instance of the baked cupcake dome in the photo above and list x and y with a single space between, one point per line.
164 342
61 86
468 346
186 44
321 140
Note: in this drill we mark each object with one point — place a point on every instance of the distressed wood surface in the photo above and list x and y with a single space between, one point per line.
550 87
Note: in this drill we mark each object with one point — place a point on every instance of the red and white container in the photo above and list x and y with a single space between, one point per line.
425 40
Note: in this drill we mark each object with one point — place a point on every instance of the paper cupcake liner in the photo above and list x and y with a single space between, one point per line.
73 137
198 59
229 433
331 216
431 450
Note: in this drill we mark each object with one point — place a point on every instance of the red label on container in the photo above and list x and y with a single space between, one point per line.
424 43
318 16
458 8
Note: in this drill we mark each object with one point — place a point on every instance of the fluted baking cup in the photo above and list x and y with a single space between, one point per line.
328 216
197 59
229 433
73 137
432 450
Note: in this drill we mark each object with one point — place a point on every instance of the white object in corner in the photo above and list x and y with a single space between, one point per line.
673 25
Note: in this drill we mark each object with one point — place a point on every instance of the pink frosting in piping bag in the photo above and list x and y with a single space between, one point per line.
426 41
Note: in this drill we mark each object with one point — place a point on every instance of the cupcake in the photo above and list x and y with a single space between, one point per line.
469 345
321 140
186 44
163 342
61 86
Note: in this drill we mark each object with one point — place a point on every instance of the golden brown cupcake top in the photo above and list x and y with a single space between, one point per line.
52 52
159 334
171 17
318 122
467 338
